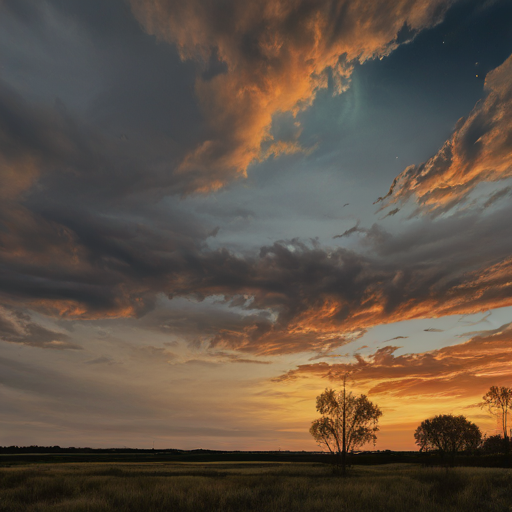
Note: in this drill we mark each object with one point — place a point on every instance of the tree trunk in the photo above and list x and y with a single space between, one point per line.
344 441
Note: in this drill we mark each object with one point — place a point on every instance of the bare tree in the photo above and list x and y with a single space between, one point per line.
448 434
347 422
498 400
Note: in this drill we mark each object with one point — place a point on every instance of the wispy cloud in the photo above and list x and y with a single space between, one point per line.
348 232
466 369
17 327
497 196
480 150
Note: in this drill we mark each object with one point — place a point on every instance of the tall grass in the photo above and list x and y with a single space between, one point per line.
251 487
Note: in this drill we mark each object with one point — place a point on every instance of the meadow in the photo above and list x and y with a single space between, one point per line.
262 487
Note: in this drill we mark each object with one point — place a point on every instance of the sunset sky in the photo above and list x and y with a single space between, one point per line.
211 210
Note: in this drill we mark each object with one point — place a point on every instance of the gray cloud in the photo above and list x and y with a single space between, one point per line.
497 196
17 327
392 212
348 232
295 297
101 360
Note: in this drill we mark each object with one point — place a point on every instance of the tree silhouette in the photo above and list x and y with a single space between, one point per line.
347 422
498 400
448 434
495 444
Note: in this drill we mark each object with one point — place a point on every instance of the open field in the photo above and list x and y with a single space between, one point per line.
194 487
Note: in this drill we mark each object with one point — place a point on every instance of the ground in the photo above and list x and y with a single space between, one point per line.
262 487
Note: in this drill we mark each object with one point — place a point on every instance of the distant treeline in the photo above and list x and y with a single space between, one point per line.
73 449
124 449
45 454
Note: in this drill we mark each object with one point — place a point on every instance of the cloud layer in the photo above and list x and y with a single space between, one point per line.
480 150
86 232
291 297
462 370
272 57
18 327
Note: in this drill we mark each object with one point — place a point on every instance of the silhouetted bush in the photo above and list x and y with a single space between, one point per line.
496 444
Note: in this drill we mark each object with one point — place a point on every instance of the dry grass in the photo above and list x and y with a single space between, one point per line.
263 487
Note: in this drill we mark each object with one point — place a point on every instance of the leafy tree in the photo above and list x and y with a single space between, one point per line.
347 422
495 444
448 434
499 401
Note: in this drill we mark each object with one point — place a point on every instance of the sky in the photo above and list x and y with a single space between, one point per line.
212 210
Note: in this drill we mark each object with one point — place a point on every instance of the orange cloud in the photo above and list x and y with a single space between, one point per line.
277 54
302 298
296 298
267 339
459 371
321 300
480 150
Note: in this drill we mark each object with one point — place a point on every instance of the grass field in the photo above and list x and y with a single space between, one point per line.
262 487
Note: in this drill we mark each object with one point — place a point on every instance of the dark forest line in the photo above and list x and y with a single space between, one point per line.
16 455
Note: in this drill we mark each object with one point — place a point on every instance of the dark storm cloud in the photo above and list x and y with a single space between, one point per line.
295 296
78 205
69 231
137 113
318 296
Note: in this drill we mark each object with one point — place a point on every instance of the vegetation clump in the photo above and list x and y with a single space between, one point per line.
448 435
498 400
347 422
